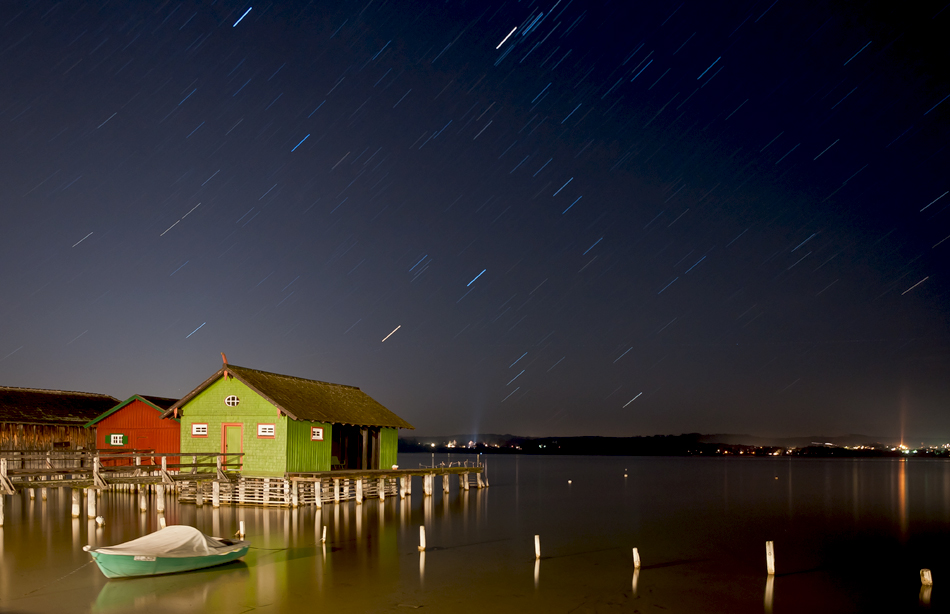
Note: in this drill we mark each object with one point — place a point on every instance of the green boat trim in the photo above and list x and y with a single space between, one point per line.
129 566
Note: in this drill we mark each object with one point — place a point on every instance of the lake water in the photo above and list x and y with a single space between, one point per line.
850 536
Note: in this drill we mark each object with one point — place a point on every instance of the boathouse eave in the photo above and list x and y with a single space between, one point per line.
134 397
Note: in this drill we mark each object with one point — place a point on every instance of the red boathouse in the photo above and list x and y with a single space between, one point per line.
136 424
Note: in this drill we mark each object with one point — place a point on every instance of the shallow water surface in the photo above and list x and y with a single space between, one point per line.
850 536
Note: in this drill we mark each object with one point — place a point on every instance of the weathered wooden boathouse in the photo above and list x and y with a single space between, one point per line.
35 419
137 424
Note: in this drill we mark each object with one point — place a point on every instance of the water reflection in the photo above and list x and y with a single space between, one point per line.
769 588
173 593
902 497
636 577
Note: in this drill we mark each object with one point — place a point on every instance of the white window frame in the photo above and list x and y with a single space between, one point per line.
199 429
116 439
266 431
232 400
316 433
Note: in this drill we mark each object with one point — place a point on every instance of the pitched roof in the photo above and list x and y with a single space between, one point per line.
158 403
306 399
52 407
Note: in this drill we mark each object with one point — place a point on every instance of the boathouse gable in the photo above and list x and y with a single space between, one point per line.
136 424
228 415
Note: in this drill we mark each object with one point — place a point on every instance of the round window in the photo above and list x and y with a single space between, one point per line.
232 401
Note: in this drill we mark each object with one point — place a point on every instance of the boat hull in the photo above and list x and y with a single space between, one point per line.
130 566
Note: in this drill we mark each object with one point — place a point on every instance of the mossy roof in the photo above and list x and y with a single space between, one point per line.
51 407
306 399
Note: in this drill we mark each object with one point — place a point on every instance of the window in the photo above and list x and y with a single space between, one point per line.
265 430
316 433
199 430
232 400
117 439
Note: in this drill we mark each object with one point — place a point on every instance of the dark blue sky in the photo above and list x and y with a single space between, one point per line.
621 219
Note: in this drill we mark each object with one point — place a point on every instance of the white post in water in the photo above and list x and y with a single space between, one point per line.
926 579
318 493
161 521
2 497
143 500
422 538
323 537
381 486
445 482
359 491
402 486
90 503
636 559
76 496
537 546
199 496
336 490
160 499
478 480
32 493
770 557
241 529
216 494
926 587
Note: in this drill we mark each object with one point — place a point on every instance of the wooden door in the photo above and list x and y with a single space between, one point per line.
232 442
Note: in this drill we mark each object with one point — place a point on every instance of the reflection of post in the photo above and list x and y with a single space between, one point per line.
537 572
769 587
636 576
770 557
422 568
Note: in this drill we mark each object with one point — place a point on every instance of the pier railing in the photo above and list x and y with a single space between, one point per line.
100 469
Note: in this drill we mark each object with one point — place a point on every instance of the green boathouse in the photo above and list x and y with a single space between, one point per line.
284 424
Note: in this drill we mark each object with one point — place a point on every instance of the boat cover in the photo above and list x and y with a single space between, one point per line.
175 541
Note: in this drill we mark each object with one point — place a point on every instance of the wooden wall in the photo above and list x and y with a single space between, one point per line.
43 437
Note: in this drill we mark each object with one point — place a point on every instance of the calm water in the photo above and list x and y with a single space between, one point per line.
850 535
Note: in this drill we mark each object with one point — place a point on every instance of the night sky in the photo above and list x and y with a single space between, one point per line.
544 218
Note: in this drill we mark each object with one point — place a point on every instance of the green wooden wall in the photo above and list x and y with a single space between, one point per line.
263 456
306 455
388 445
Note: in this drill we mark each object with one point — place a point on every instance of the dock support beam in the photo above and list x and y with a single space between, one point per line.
76 497
143 500
478 479
318 493
160 499
381 487
359 491
294 498
199 496
90 503
336 490
216 494
445 483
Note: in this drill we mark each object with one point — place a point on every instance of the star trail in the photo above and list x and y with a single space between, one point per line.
734 215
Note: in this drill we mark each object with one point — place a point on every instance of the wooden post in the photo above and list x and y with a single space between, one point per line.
359 491
143 501
537 546
2 498
32 493
199 496
402 486
926 578
336 490
318 493
160 498
241 529
138 465
462 480
266 491
478 479
408 484
323 538
770 557
381 486
445 483
464 477
422 538
194 463
636 559
294 499
161 521
76 497
216 494
90 503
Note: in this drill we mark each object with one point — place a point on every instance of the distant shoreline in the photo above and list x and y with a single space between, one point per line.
692 444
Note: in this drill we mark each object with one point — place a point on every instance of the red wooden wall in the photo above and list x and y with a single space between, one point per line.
144 428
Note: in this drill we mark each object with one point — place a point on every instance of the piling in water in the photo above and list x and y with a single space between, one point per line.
770 557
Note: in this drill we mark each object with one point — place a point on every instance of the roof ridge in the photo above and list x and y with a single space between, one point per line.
47 390
305 379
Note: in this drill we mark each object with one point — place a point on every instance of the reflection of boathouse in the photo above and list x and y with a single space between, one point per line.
284 424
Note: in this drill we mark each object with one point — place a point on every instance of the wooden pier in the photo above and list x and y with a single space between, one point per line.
211 478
